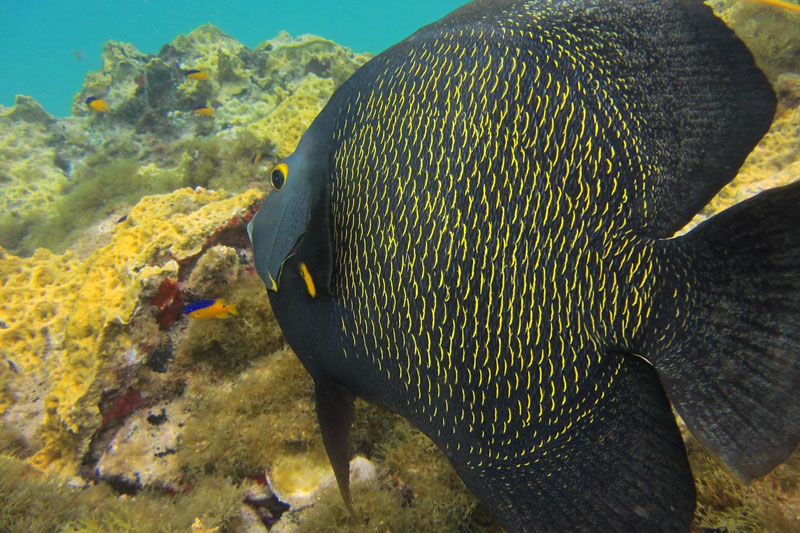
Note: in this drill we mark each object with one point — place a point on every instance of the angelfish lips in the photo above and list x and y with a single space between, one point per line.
250 230
270 281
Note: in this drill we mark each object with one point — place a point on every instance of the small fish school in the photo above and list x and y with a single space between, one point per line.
98 105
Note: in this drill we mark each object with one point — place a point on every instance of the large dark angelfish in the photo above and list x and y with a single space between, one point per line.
477 233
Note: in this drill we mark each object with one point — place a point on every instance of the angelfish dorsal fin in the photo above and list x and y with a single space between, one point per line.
335 412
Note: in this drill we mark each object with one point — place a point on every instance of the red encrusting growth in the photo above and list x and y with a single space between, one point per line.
123 405
168 302
261 479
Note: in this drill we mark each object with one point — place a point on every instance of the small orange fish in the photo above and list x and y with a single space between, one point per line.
97 104
204 110
256 158
216 308
195 74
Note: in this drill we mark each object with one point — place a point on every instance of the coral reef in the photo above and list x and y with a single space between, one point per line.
104 377
94 337
30 180
61 176
121 413
67 321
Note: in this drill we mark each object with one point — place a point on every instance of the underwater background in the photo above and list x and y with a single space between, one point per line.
119 412
48 46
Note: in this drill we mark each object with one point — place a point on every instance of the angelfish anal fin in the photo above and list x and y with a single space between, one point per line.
335 413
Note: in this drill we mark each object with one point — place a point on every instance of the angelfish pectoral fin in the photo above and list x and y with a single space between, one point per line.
335 413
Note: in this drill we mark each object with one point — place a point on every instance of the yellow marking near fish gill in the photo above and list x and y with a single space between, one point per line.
312 289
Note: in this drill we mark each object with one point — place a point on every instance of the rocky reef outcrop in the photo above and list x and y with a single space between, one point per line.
59 177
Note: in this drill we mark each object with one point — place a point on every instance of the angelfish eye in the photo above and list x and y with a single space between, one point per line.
279 175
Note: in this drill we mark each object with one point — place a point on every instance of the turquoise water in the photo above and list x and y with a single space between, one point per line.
48 46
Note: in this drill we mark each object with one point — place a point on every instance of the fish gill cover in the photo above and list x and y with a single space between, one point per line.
95 346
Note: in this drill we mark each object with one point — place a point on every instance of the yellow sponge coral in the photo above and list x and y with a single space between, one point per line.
287 123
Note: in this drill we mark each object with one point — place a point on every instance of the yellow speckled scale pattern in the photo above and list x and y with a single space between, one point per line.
467 300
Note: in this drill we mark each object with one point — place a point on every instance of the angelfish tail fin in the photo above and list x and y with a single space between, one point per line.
728 352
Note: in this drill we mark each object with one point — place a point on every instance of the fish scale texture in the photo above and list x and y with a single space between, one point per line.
473 173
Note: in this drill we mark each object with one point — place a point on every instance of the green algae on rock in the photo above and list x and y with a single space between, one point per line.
30 179
30 503
26 109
